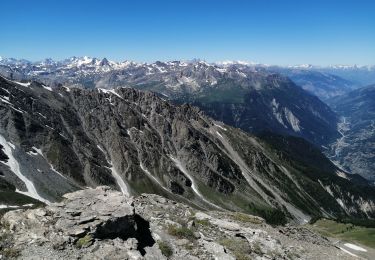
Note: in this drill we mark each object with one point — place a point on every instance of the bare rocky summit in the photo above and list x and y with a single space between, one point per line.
105 224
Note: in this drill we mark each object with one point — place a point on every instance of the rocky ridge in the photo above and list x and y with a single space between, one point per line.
104 224
57 141
253 98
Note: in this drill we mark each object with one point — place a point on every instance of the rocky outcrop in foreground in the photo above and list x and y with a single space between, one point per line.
104 224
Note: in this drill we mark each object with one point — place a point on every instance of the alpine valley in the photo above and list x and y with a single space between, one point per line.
218 144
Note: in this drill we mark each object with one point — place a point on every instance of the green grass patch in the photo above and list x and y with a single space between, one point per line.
238 247
238 216
11 253
165 248
84 241
16 199
345 231
181 232
202 222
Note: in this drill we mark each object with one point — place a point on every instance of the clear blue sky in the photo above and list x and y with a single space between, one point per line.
267 31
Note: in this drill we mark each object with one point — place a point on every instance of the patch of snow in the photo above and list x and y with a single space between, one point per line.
7 206
152 176
327 188
37 150
6 90
120 182
355 247
54 170
220 127
48 88
42 115
5 100
21 83
110 91
62 135
15 168
101 149
346 251
4 97
18 110
50 127
242 74
342 175
219 134
339 201
221 70
10 144
232 62
193 185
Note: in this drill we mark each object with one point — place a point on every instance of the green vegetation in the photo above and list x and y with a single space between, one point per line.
202 222
369 223
15 198
181 232
6 244
308 165
246 218
10 253
345 231
271 215
238 246
165 248
84 241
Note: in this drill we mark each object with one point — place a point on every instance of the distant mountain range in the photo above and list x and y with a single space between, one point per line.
254 97
324 82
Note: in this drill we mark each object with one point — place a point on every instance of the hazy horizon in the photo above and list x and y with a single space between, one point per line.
272 32
248 62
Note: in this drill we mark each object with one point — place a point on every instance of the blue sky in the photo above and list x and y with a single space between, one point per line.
267 31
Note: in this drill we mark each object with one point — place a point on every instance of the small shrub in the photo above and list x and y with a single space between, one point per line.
165 248
246 218
84 241
292 255
10 253
203 222
238 247
181 232
257 248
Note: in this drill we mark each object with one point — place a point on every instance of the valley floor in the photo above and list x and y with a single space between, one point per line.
356 240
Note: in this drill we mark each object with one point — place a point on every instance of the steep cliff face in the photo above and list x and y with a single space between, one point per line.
253 98
54 141
269 103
